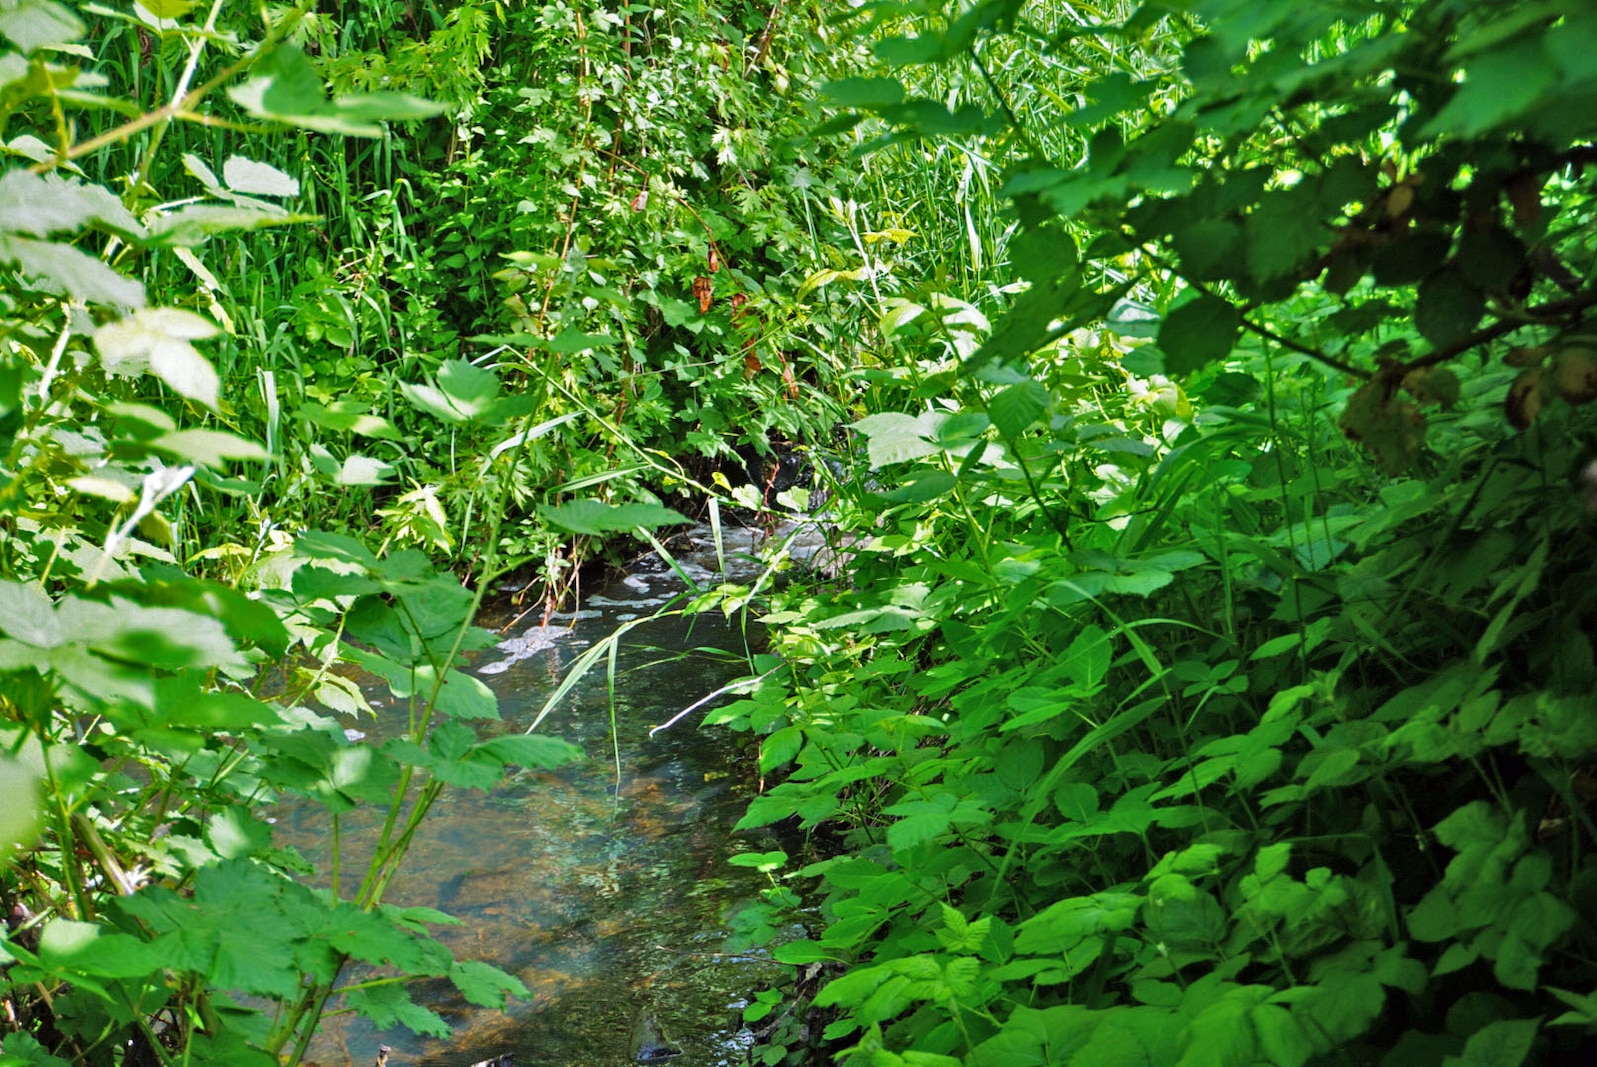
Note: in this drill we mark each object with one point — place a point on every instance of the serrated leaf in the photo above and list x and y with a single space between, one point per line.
208 448
484 985
1017 406
285 87
596 518
867 93
389 1005
194 224
893 437
158 341
65 269
1199 332
38 206
33 24
1448 307
1503 1043
532 750
261 179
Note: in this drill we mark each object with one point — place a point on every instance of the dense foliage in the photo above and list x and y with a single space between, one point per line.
1214 683
231 309
1199 388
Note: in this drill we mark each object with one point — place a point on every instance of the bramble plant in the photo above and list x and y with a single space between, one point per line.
1213 684
151 918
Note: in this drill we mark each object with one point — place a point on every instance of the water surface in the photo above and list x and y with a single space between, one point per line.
605 893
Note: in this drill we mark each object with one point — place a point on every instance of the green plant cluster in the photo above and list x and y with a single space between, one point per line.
151 715
615 215
1213 681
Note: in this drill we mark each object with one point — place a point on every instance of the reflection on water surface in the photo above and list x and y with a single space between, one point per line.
604 897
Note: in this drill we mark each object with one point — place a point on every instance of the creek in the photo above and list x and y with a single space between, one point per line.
609 894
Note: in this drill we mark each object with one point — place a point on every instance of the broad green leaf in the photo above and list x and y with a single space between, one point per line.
1017 406
1501 1043
1199 332
261 179
1283 232
194 224
284 87
1448 307
208 448
19 805
158 341
892 437
596 518
89 948
360 470
485 985
63 268
1499 86
388 1006
349 416
463 392
38 206
869 93
923 486
32 24
28 615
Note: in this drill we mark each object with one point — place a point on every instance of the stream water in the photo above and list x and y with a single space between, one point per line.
605 894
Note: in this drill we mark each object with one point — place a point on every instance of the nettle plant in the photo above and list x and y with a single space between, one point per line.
150 716
1241 717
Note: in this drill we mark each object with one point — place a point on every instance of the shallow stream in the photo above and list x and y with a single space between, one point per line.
606 895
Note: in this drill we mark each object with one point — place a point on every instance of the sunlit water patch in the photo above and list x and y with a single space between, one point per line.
606 893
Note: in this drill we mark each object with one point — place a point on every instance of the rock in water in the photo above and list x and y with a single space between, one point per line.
649 1045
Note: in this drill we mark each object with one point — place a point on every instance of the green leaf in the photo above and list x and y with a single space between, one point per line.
923 486
64 268
32 24
208 448
261 179
779 747
1499 86
1199 332
348 416
193 224
1503 1043
88 948
1039 316
596 518
158 341
388 1006
892 437
532 750
284 87
1283 232
484 985
1448 307
1019 405
38 206
28 615
464 392
870 93
19 805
